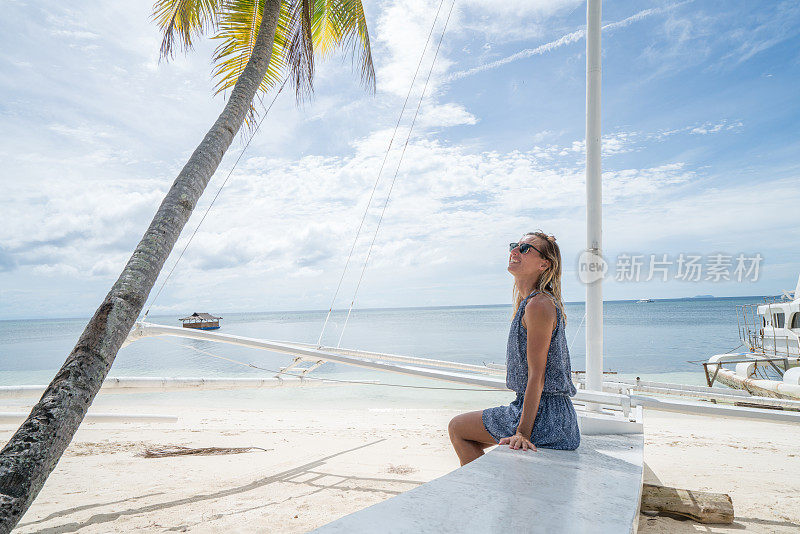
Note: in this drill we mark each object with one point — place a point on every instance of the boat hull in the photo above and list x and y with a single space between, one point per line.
744 376
762 388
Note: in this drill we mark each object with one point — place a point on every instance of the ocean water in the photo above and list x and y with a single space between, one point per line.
652 340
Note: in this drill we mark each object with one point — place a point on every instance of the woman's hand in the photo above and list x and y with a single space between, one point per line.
518 441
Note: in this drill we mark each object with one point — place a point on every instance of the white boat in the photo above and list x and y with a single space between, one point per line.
770 364
644 300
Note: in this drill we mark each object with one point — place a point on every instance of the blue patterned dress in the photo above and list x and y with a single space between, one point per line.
556 424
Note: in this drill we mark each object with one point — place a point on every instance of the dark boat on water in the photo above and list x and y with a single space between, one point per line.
201 321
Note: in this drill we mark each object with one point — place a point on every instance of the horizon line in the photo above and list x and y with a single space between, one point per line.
392 308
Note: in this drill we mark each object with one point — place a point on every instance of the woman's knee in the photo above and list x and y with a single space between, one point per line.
469 426
454 426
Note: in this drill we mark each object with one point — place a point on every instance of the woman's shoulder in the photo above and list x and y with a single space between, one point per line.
542 301
540 307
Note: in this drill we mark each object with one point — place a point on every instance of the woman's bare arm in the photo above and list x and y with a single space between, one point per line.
539 320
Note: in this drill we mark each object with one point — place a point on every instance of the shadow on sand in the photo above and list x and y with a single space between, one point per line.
307 475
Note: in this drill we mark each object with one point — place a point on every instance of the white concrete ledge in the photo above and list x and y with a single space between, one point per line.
596 488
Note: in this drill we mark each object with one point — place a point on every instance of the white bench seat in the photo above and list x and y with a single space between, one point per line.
596 488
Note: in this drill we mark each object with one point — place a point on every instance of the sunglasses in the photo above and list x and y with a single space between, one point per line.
524 248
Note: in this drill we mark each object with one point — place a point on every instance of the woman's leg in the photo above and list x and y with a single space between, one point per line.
469 436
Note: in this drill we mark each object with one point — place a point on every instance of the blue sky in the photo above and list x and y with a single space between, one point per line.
701 155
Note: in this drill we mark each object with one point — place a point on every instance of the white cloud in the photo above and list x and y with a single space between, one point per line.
89 150
688 216
76 34
708 128
705 128
569 38
300 216
444 115
564 40
401 34
512 20
773 28
296 218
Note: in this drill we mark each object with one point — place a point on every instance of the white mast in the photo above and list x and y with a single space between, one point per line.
594 233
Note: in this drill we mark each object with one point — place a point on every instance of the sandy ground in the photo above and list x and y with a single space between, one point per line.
757 464
320 464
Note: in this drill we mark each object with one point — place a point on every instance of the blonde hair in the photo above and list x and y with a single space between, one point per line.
550 280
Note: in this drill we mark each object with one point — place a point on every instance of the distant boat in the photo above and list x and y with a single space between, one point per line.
644 300
201 321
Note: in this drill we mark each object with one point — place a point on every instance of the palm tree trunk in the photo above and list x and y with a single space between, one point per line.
34 450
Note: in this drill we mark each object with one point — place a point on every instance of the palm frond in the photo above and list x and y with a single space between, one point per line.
182 20
237 31
343 23
305 28
320 26
301 49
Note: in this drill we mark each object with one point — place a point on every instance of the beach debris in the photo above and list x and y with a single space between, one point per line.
163 451
90 448
400 469
700 506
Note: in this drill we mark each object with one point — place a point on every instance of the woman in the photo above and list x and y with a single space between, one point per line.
537 364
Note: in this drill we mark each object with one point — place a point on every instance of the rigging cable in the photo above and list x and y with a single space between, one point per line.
569 348
394 178
701 362
215 197
380 172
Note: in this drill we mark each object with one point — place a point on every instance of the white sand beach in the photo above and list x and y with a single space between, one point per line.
322 462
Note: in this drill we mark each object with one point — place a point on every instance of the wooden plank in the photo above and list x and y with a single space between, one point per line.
700 506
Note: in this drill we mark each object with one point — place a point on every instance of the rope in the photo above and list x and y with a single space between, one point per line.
164 283
397 170
380 172
734 348
569 347
701 362
306 377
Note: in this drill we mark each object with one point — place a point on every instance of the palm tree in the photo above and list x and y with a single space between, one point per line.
261 42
